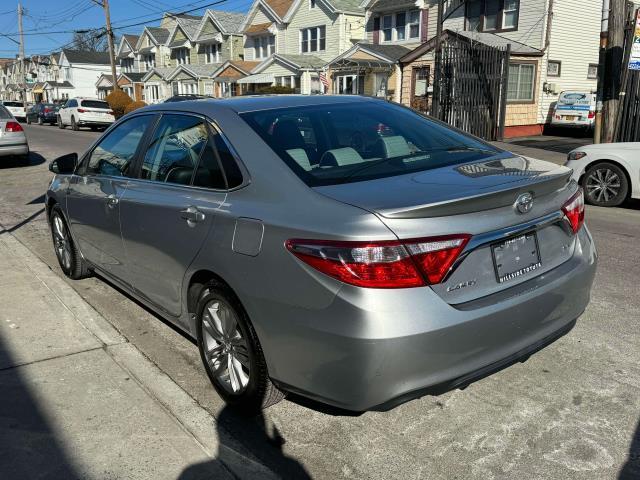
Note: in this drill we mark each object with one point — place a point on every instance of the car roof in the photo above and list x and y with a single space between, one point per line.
263 102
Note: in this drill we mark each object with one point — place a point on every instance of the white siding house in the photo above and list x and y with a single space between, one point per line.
82 70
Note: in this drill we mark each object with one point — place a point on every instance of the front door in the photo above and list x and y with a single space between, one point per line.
165 219
93 200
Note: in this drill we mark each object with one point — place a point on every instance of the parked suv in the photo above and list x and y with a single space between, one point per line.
42 113
343 248
85 112
16 109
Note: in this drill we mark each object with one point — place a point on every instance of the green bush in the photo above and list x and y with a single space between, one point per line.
276 89
118 101
134 106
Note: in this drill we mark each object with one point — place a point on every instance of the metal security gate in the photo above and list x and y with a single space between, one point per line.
471 93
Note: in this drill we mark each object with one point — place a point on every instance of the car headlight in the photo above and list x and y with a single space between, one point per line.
575 156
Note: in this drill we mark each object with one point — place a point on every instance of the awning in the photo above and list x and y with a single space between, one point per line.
38 89
258 78
226 79
347 63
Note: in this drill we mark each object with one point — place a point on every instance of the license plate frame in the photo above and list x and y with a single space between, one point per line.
570 118
508 265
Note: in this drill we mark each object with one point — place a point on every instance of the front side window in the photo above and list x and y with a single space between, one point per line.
357 141
521 82
114 154
174 150
492 15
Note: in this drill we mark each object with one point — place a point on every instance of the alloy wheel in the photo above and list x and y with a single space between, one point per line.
225 349
602 185
61 242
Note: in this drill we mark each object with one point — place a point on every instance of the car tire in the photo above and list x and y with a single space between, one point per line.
69 257
605 185
74 125
60 124
237 369
40 122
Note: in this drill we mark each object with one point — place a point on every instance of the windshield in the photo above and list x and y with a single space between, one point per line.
350 142
94 104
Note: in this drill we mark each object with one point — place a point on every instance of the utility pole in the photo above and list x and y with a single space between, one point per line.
21 59
604 31
112 57
435 106
613 68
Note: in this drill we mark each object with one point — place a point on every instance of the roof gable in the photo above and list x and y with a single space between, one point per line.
274 10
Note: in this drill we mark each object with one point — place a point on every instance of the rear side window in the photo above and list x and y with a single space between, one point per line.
4 113
354 141
174 150
114 154
94 104
229 164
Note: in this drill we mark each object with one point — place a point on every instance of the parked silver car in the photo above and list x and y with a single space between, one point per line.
13 141
343 248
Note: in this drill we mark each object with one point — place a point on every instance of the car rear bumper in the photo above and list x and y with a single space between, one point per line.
372 349
14 149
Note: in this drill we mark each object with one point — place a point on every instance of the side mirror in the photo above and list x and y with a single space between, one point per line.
65 164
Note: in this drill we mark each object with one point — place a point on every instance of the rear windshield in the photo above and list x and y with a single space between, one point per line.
576 98
351 142
4 113
12 104
94 104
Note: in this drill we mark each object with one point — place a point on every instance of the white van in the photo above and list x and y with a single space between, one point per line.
575 109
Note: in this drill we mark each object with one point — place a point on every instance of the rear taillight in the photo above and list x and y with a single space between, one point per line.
388 264
110 112
592 114
574 210
81 110
47 110
13 127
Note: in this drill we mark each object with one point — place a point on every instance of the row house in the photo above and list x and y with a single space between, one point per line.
194 48
548 54
393 29
294 39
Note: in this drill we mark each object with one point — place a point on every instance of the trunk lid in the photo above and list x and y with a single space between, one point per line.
479 199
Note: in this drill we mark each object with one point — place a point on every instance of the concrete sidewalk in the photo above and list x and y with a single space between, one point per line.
78 401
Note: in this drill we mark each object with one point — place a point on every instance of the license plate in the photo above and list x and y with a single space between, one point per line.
516 257
570 118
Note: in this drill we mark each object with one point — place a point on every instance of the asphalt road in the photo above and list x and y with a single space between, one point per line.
570 411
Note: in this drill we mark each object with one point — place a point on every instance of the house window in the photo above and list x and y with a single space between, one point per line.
312 3
521 82
492 15
182 56
127 64
212 53
313 39
149 61
187 88
264 46
554 68
401 26
592 72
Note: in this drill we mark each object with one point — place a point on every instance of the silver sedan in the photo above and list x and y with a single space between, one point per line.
343 248
13 140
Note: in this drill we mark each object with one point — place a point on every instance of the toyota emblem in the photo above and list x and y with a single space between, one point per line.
524 203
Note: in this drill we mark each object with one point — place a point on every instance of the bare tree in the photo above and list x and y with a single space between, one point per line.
90 41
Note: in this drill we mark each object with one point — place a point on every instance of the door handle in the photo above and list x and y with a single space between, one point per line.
112 201
192 215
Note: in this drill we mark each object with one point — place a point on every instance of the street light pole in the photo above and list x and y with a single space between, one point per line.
613 68
435 106
604 28
21 58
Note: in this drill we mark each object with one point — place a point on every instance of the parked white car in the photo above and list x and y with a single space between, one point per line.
608 172
16 109
85 112
575 110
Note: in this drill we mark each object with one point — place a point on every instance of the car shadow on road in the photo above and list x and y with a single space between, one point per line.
31 447
16 162
238 433
631 469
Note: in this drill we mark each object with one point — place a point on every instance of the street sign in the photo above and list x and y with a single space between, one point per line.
634 58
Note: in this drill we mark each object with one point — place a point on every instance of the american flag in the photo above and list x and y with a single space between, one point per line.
324 80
